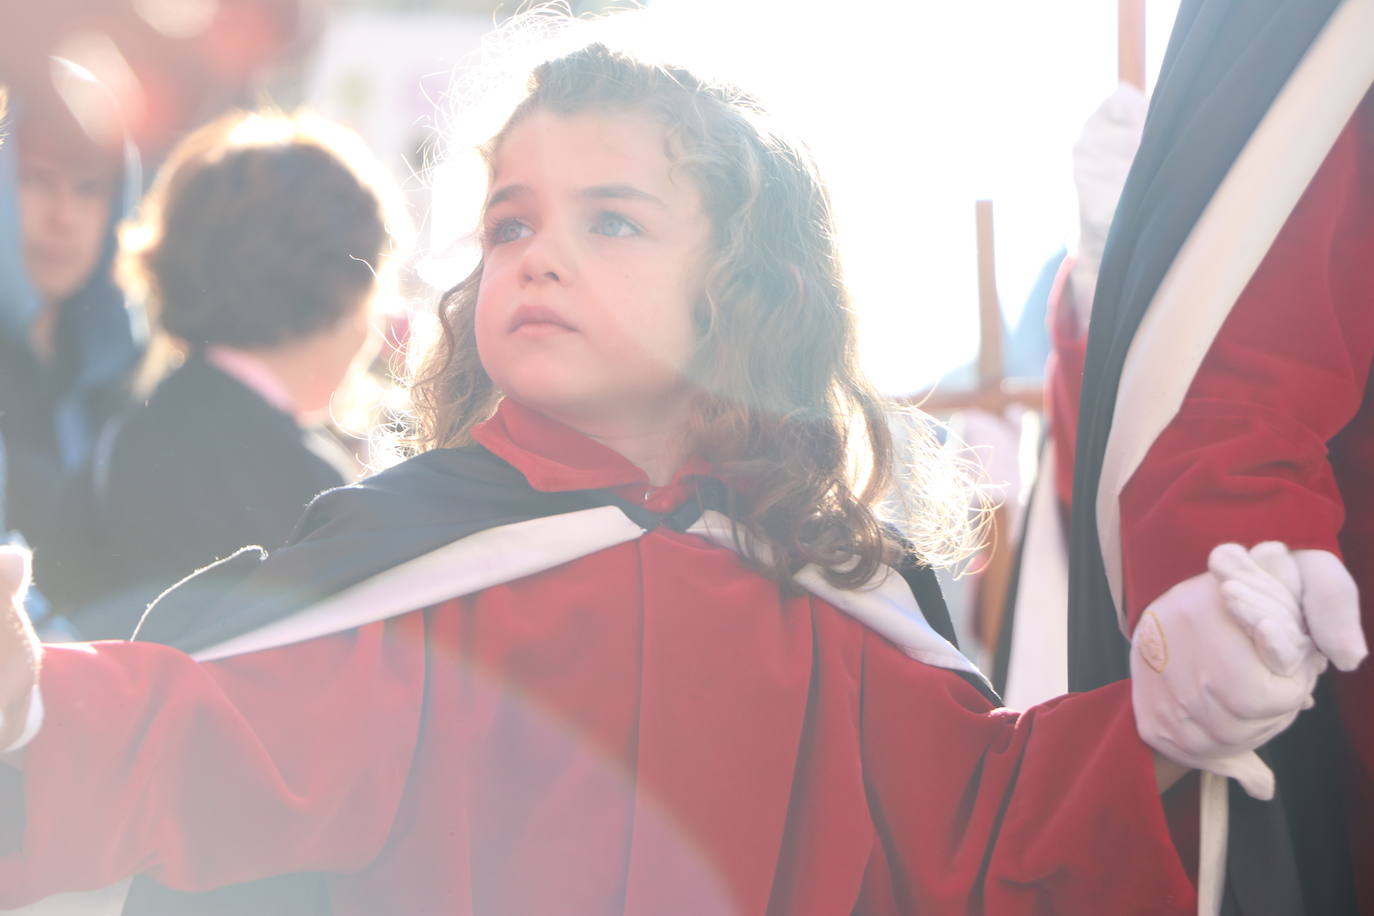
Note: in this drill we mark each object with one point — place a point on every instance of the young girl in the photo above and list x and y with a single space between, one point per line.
622 640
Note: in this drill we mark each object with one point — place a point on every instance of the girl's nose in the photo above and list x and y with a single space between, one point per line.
545 259
551 275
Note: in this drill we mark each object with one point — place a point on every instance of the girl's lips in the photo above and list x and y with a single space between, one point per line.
538 317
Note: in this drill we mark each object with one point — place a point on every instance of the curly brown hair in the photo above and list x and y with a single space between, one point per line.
781 404
260 229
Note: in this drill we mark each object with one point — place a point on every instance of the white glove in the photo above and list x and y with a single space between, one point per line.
1101 160
1331 608
1325 593
1221 663
19 647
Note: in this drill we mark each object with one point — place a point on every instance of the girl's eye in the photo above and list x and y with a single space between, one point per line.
614 225
507 230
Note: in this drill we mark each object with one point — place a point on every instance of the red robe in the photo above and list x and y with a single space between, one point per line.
1275 439
650 729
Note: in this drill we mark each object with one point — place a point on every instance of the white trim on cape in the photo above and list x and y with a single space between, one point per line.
462 567
509 552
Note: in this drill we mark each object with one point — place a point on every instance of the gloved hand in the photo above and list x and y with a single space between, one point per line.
19 647
1102 158
1222 662
1325 594
1331 608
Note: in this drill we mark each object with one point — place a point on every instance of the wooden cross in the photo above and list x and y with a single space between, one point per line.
995 392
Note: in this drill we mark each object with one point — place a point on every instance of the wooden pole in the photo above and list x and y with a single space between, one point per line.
995 573
1130 42
991 365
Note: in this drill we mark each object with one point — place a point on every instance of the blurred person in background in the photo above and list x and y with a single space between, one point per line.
68 345
258 251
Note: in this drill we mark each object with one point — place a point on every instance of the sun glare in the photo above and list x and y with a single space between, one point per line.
915 111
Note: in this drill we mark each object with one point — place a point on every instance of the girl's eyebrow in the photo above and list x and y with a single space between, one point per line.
620 192
595 192
501 195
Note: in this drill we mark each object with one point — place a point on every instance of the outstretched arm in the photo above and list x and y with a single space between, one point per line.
202 775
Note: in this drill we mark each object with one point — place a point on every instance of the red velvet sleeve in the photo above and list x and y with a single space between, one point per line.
1246 458
208 774
1054 810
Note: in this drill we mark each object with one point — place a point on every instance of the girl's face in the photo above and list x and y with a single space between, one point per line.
593 258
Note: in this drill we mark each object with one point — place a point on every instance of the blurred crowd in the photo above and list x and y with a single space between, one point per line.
173 346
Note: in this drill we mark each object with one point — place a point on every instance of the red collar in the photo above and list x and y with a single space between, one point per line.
556 458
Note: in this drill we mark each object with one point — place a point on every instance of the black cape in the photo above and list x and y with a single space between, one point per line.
348 535
1225 64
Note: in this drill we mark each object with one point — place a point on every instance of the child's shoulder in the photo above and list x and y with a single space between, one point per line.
348 535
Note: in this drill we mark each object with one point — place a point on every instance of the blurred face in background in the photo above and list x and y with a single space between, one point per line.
65 197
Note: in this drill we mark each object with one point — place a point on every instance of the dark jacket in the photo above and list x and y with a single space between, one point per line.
204 468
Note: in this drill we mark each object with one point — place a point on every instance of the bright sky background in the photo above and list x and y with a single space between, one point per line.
915 110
